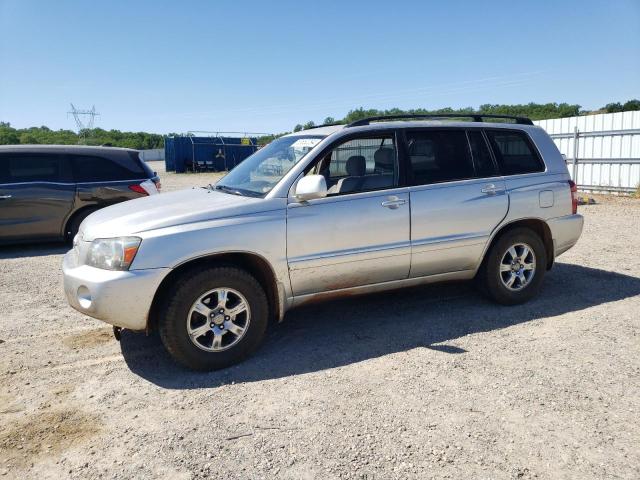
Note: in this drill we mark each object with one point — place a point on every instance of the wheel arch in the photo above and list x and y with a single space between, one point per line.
252 263
74 214
539 226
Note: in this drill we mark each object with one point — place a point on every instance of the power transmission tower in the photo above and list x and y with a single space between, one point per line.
82 125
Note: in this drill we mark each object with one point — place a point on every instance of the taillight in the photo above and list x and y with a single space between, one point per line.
138 189
574 196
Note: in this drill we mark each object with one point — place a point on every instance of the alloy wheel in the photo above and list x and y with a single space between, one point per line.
518 266
218 319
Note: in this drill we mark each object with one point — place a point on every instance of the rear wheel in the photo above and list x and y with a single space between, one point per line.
214 318
514 267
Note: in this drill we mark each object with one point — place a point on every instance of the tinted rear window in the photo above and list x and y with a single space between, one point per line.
20 168
100 169
514 152
439 156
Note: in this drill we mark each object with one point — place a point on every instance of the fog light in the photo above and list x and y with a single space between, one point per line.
84 297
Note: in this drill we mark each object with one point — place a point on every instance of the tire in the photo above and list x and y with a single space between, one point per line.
499 268
74 224
179 315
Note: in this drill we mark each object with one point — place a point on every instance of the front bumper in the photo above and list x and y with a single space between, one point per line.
121 298
565 232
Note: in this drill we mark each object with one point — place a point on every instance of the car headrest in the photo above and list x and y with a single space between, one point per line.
356 166
384 158
421 147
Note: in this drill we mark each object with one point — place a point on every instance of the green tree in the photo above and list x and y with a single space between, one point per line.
8 135
613 107
631 105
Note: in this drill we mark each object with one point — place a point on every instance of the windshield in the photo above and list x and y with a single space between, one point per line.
260 172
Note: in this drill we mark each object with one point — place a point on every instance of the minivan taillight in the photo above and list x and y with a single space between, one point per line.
138 189
574 196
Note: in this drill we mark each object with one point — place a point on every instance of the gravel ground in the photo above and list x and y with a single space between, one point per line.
172 181
432 382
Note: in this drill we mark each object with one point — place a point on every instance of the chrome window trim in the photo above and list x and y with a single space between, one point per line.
451 183
292 201
75 183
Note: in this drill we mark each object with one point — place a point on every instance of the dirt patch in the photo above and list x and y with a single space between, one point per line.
10 404
44 434
62 391
89 339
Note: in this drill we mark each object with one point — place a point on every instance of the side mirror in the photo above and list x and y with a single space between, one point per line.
310 187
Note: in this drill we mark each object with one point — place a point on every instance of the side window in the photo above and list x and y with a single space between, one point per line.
36 168
99 169
481 155
361 164
514 152
439 156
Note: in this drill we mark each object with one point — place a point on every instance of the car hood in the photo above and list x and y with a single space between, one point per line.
167 210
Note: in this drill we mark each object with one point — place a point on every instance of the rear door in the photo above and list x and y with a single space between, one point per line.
36 195
457 199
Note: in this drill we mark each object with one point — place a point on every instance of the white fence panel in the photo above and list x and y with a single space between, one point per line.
152 155
603 150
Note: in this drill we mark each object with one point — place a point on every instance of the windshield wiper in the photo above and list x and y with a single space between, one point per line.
238 191
226 189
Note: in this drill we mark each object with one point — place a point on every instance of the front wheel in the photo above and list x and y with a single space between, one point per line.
214 318
514 267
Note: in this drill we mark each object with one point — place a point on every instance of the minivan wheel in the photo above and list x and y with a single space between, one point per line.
514 267
214 318
74 224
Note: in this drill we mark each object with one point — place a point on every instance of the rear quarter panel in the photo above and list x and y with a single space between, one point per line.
105 193
542 195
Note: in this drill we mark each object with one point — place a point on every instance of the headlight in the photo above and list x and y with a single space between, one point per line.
113 253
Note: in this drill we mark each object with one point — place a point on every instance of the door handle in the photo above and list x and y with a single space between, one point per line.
393 203
491 189
5 197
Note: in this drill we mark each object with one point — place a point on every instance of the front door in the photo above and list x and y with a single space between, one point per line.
359 234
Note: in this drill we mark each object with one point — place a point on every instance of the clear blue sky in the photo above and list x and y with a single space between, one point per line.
163 66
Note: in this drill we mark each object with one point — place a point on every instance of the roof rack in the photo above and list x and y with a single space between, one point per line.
320 126
477 117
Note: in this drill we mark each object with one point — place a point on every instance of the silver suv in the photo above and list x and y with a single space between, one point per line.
379 204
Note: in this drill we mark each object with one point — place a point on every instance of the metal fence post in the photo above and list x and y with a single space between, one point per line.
575 154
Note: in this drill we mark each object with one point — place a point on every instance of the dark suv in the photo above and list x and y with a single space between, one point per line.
47 190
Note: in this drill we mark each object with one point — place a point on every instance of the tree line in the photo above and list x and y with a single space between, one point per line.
94 136
534 111
144 140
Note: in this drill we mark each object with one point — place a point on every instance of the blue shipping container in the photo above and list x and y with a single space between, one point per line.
206 153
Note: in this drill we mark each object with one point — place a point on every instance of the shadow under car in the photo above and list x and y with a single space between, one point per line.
342 332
